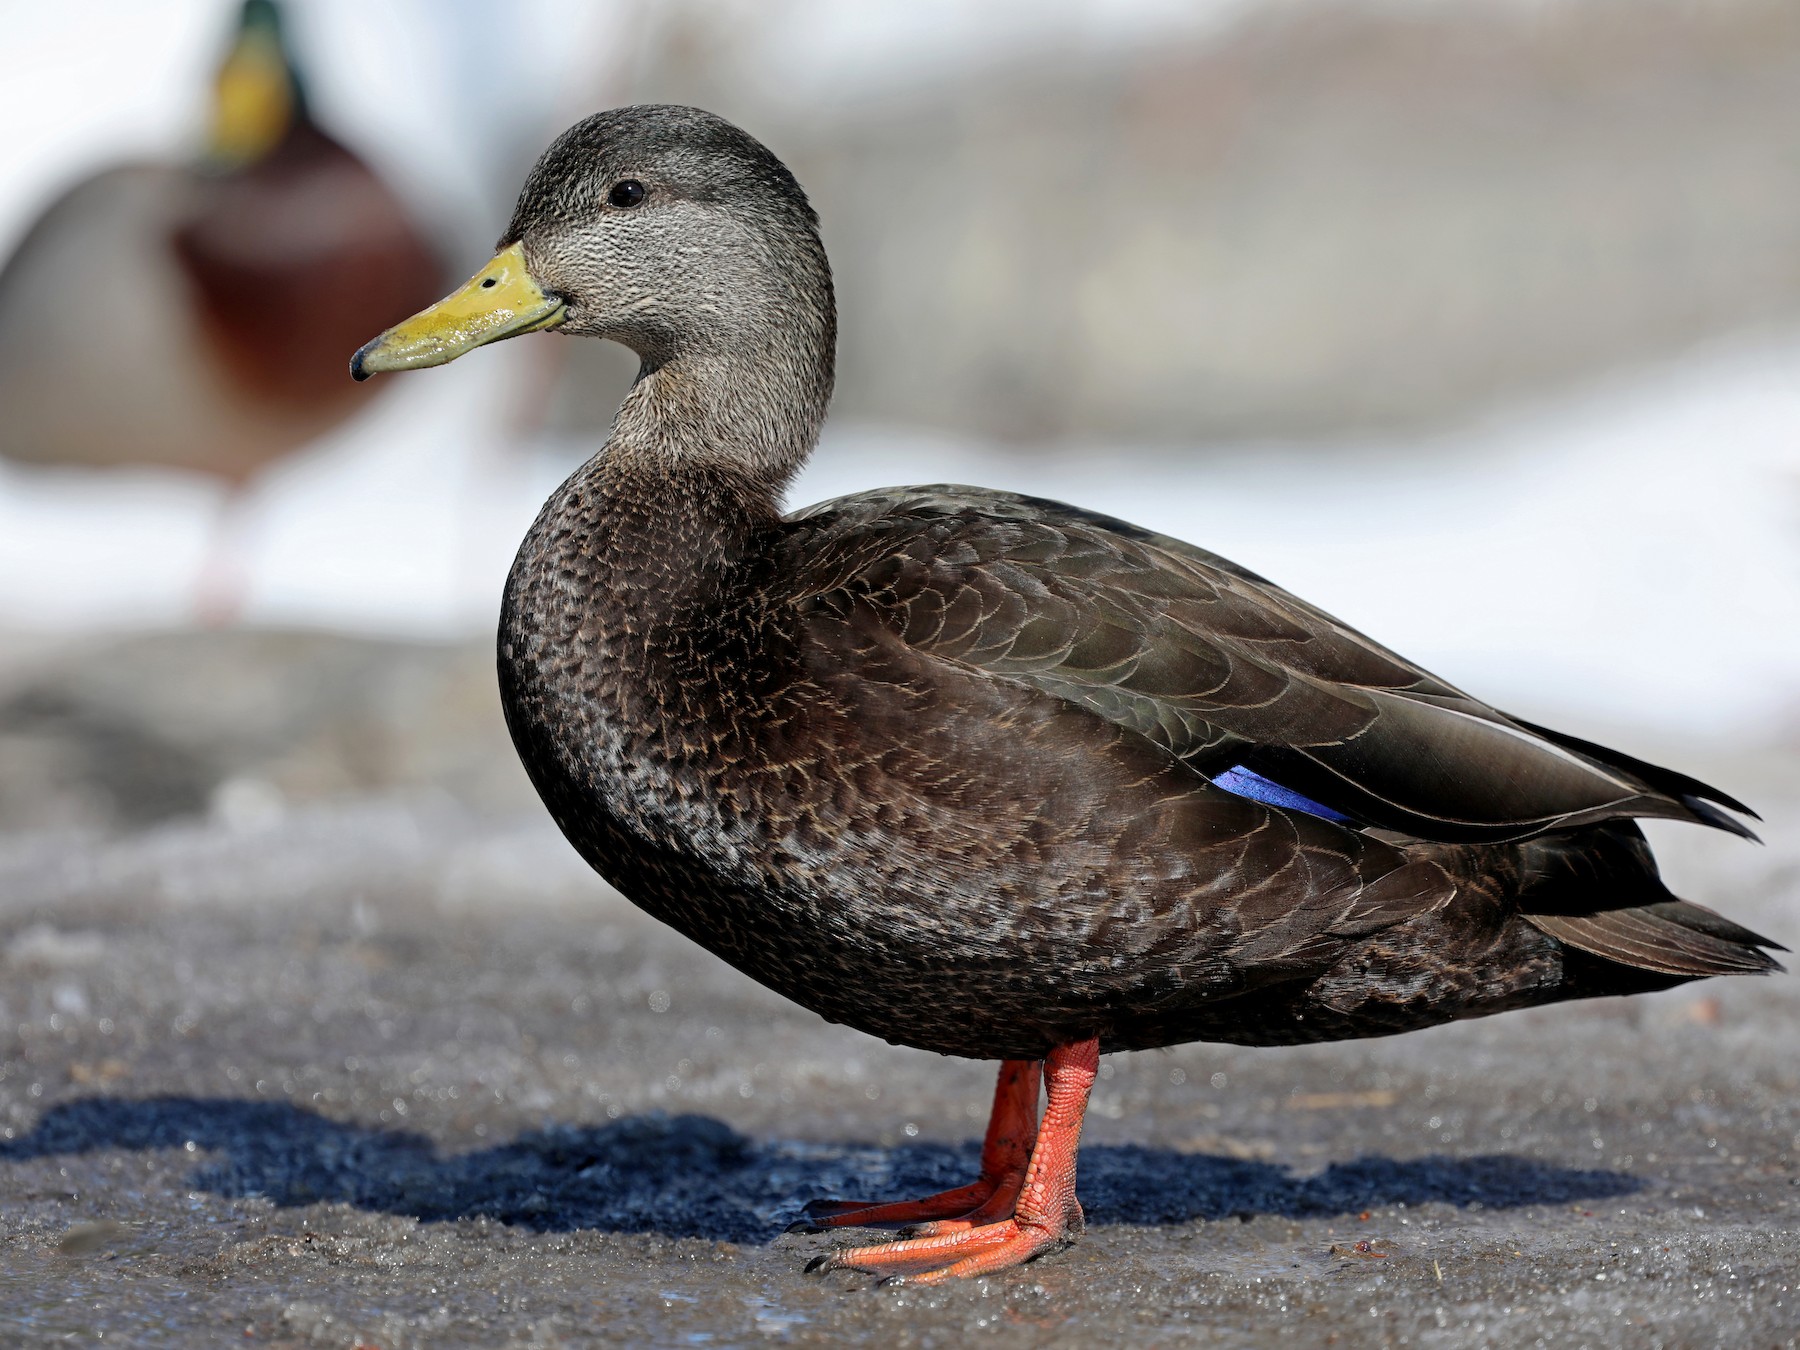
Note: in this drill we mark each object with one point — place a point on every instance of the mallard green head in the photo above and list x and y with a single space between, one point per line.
663 228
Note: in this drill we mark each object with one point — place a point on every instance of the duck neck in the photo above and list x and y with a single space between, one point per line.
661 519
734 418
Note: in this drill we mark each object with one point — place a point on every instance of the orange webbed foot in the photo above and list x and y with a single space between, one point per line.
1005 1154
1015 1221
946 1205
955 1255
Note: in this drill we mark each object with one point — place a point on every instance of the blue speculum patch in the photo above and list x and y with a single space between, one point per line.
1248 783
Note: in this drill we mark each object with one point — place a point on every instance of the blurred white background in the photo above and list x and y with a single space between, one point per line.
1481 329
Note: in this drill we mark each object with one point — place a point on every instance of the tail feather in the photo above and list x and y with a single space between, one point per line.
1598 890
1708 921
1673 937
1708 814
1698 797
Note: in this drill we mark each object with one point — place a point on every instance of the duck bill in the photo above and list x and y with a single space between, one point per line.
500 301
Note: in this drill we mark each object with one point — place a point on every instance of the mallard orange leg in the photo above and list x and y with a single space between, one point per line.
1045 1214
1005 1154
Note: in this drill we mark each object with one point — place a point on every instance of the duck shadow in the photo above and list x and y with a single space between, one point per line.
694 1176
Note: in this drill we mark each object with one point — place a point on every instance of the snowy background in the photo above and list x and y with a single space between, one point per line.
1620 546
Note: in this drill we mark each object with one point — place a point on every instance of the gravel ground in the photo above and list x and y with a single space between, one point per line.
395 1072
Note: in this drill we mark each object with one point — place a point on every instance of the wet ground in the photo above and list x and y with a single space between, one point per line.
397 1072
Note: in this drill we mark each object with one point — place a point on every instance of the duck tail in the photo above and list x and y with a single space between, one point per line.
1675 937
1597 890
1701 801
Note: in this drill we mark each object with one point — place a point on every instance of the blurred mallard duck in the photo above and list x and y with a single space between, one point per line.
195 316
986 774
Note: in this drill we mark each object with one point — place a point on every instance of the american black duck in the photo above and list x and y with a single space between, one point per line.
985 774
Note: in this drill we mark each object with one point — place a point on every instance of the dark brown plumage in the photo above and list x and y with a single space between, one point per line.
990 775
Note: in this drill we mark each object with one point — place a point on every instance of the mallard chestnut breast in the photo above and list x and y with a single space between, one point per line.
985 774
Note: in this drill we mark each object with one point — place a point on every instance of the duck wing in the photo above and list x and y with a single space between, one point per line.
1247 684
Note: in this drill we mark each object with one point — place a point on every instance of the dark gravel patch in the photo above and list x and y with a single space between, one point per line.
394 1074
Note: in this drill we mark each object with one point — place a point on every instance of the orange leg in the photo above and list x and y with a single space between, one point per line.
1045 1215
1012 1126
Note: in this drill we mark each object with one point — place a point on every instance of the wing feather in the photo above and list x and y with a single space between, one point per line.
1211 662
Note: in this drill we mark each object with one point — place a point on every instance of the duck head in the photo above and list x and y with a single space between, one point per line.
663 228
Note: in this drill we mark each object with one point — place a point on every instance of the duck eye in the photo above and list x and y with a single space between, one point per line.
626 192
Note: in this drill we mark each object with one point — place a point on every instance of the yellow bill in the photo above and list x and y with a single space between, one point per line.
499 301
